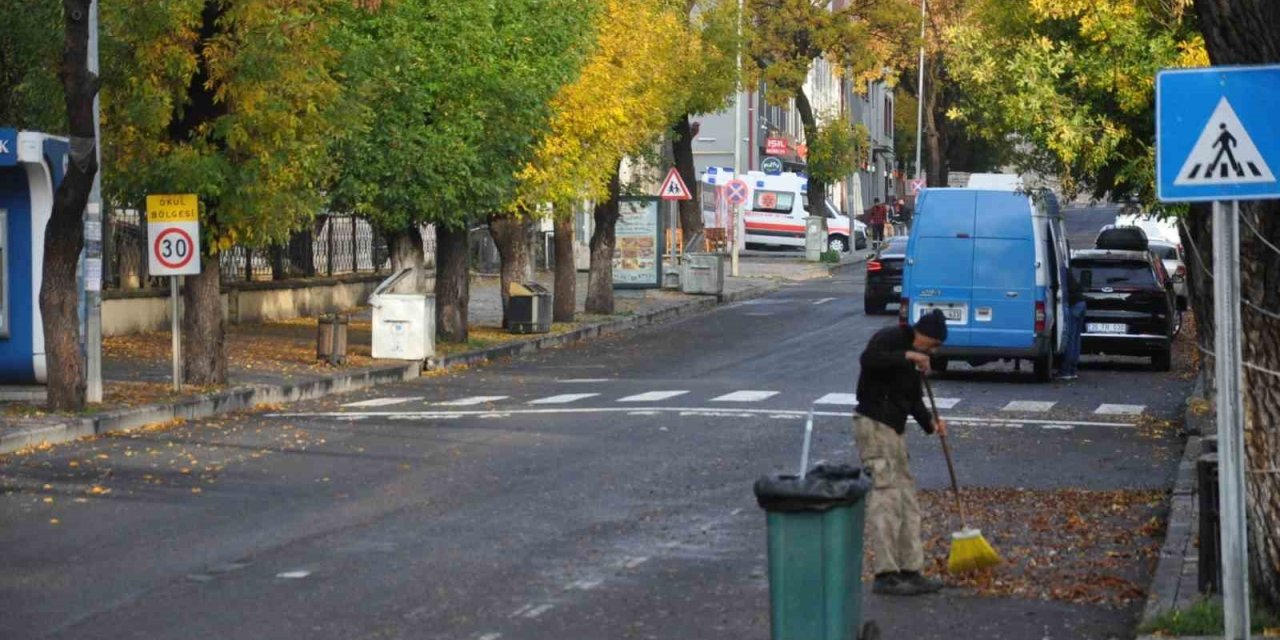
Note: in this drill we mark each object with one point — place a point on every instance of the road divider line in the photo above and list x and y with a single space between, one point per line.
685 411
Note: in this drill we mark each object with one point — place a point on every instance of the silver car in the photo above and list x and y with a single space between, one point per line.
1171 255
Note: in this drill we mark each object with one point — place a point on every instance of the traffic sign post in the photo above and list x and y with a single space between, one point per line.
674 190
736 191
173 241
1217 140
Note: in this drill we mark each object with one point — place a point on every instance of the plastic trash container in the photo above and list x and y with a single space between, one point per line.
702 273
404 318
815 526
529 308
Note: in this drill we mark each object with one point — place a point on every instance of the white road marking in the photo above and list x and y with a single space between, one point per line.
584 380
642 413
472 401
849 399
757 315
293 575
564 398
490 636
1057 427
692 411
653 396
1121 409
745 396
632 563
539 610
586 585
947 403
823 301
1029 406
381 402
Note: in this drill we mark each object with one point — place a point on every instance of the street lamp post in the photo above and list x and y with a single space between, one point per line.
920 95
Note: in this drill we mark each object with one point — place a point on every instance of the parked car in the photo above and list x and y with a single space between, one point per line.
1171 255
1155 228
994 262
1131 306
884 275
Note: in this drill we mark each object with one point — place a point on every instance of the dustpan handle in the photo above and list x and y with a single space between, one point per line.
946 452
804 452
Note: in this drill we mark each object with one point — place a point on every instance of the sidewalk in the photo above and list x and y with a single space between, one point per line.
275 363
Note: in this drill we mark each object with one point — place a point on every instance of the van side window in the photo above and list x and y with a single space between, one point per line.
772 201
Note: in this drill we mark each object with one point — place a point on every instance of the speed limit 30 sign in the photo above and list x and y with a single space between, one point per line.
173 235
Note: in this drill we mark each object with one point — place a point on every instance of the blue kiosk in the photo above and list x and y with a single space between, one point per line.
32 166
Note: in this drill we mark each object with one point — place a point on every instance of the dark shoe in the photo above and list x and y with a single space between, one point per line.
891 584
919 582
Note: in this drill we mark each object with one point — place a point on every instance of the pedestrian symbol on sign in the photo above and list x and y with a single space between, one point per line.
673 188
1224 153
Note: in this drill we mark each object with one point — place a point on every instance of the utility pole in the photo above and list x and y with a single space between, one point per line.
920 96
91 267
737 147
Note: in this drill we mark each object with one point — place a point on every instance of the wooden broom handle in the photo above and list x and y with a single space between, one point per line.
946 452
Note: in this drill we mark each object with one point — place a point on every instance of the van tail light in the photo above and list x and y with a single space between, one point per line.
873 266
903 310
1041 317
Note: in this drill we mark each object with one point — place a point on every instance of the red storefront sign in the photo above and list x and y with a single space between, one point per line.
775 146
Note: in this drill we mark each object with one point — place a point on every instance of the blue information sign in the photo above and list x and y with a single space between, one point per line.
8 147
1218 134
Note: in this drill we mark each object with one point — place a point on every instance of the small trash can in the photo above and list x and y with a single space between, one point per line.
331 338
702 273
403 318
815 526
529 308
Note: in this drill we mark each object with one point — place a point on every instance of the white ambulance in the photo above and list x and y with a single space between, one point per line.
775 212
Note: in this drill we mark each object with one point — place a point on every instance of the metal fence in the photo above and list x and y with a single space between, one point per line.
333 245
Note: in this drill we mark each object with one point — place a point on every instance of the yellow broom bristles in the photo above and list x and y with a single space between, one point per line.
970 552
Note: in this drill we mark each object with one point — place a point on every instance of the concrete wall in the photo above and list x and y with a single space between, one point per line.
125 312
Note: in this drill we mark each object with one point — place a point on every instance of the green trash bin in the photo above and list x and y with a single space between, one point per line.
815 526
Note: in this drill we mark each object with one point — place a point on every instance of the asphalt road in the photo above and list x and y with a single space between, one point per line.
602 491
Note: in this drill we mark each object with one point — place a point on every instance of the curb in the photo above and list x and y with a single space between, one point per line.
65 429
1178 556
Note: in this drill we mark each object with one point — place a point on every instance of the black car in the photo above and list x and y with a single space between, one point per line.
1131 307
884 275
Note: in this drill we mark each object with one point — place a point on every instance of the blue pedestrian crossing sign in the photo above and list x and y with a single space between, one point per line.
1218 134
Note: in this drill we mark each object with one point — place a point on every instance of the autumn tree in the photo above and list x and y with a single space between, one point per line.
31 96
627 94
1243 33
231 100
861 39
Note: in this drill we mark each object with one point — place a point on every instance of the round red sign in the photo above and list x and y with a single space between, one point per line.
173 248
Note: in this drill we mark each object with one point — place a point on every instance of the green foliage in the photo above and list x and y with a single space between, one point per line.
835 152
832 257
30 51
711 76
1206 618
448 100
1073 81
232 100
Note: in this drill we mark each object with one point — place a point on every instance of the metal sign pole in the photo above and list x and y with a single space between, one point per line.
93 219
737 239
174 310
1227 370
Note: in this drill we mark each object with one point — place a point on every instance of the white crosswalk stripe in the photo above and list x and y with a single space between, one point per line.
1121 409
471 401
745 396
846 399
947 403
381 402
653 396
564 398
1029 406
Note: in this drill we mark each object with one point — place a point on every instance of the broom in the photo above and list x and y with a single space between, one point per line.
969 550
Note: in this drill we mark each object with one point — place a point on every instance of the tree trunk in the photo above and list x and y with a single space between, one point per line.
453 283
1242 32
566 287
1197 244
603 241
512 237
817 187
936 170
204 355
405 247
682 149
64 235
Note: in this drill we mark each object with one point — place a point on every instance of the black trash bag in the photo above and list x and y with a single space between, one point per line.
826 487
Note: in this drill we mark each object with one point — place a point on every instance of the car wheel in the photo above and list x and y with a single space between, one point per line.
1043 367
838 244
1163 361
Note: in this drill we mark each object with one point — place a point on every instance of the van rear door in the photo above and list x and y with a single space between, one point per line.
940 260
1004 272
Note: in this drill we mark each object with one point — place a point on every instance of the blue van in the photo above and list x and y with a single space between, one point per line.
994 262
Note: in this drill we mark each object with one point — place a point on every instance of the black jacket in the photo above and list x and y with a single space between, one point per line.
889 387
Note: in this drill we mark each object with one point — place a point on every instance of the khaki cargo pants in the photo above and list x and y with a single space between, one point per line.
893 514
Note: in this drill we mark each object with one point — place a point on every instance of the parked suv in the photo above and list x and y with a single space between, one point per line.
1131 306
884 275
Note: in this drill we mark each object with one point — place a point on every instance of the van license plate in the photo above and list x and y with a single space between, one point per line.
1106 327
897 288
955 314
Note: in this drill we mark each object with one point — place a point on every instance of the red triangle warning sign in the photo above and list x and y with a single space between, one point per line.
674 188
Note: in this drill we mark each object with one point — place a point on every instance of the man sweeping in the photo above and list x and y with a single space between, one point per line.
889 390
